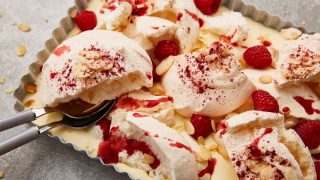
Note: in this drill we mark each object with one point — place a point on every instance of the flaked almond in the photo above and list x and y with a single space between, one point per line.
30 88
1 13
148 159
223 152
189 127
157 90
81 70
1 174
21 51
28 103
73 13
201 140
24 27
8 90
2 79
106 5
164 65
265 79
213 125
204 153
210 143
179 128
290 122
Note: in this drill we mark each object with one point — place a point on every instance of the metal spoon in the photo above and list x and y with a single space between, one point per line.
79 116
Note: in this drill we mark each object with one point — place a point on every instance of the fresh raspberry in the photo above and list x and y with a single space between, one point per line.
208 7
317 167
258 57
86 20
202 125
165 49
309 133
263 101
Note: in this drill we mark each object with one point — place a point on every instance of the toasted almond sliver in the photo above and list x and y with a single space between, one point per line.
201 140
73 13
24 27
80 70
164 65
21 50
189 127
157 90
2 79
148 159
28 103
223 152
105 5
8 90
213 125
31 88
204 153
1 174
265 79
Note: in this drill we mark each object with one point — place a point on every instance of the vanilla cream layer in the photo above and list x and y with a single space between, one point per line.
89 138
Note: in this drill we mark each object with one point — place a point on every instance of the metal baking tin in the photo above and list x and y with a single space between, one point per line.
66 25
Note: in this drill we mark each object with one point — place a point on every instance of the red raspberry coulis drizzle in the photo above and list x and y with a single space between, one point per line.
307 105
110 148
60 50
254 149
209 169
129 103
139 115
181 146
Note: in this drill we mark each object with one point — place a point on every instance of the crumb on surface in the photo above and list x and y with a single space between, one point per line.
8 90
24 27
2 79
21 51
30 88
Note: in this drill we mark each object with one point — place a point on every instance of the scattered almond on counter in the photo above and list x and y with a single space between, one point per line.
28 103
30 88
1 174
8 90
2 79
23 27
21 50
1 14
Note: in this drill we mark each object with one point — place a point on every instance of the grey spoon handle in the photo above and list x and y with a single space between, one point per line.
19 140
17 119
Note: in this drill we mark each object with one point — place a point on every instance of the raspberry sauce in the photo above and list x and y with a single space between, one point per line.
60 50
307 105
181 146
254 149
129 103
209 169
110 148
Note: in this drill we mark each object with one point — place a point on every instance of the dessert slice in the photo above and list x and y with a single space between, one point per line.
260 147
207 83
95 66
298 60
142 142
295 100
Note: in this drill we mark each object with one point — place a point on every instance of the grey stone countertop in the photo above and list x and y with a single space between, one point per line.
46 158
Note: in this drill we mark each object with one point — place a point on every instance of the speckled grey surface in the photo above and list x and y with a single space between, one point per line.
46 158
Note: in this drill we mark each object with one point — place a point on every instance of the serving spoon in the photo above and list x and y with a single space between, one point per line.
76 114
